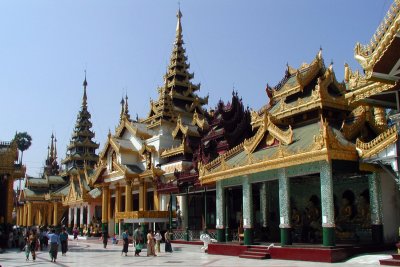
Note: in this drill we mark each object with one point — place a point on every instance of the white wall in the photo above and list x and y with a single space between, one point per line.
390 207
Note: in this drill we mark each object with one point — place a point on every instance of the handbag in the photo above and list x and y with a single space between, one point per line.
139 246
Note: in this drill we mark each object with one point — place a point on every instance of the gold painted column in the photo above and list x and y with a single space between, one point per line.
49 214
17 211
29 221
24 215
117 202
109 205
128 196
104 208
142 196
156 200
39 217
10 198
55 213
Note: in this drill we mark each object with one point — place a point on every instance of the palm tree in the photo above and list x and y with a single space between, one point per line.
24 141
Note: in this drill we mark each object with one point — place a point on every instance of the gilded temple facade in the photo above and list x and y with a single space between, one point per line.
40 200
9 171
143 154
300 174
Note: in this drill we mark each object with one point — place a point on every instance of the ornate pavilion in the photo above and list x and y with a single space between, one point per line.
9 171
322 154
40 200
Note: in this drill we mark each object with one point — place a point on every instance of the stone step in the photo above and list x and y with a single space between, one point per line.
390 262
257 257
396 256
249 252
261 249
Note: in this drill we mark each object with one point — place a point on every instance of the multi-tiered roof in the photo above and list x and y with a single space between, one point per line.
82 148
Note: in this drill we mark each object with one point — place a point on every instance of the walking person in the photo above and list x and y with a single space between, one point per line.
138 241
125 238
75 233
33 243
151 244
64 242
105 238
158 238
167 236
54 241
27 247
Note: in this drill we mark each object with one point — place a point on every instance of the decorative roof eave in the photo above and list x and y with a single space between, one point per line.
350 130
382 141
370 89
285 137
126 124
151 173
369 55
181 149
201 123
302 78
148 148
325 147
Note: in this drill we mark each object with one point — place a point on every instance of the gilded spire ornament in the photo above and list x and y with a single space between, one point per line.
122 108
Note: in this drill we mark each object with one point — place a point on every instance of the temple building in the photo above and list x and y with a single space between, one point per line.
300 174
84 209
40 200
9 171
140 159
221 128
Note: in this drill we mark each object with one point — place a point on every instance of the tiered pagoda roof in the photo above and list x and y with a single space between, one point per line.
177 97
82 149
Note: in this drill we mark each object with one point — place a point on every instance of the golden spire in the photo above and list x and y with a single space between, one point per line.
84 99
178 27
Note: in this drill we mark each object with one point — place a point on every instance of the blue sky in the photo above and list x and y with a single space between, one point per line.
45 46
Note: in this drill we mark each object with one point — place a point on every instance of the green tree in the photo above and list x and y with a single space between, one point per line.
24 141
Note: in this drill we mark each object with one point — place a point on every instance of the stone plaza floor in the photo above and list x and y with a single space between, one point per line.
91 253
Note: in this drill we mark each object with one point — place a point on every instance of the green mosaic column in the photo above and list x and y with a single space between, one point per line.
263 204
144 229
247 211
220 209
227 216
284 208
116 228
375 195
328 210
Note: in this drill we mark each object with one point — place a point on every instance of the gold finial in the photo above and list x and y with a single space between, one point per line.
179 26
319 55
52 146
84 99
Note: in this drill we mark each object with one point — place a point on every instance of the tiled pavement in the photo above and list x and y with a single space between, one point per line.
84 253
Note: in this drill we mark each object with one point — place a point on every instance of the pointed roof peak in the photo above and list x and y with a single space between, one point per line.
178 26
84 98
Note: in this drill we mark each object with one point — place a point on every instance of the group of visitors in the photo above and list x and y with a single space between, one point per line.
153 242
33 242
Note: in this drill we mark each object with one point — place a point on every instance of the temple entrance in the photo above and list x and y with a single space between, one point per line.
305 202
266 215
234 210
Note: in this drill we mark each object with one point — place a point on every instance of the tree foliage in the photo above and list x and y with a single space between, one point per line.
24 141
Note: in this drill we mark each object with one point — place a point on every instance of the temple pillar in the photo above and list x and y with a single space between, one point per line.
10 199
247 211
109 215
163 202
81 217
117 208
142 195
24 215
220 209
29 221
284 208
227 215
170 212
128 196
156 200
184 211
104 209
69 216
375 195
50 214
55 213
75 216
17 211
263 204
327 204
89 215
